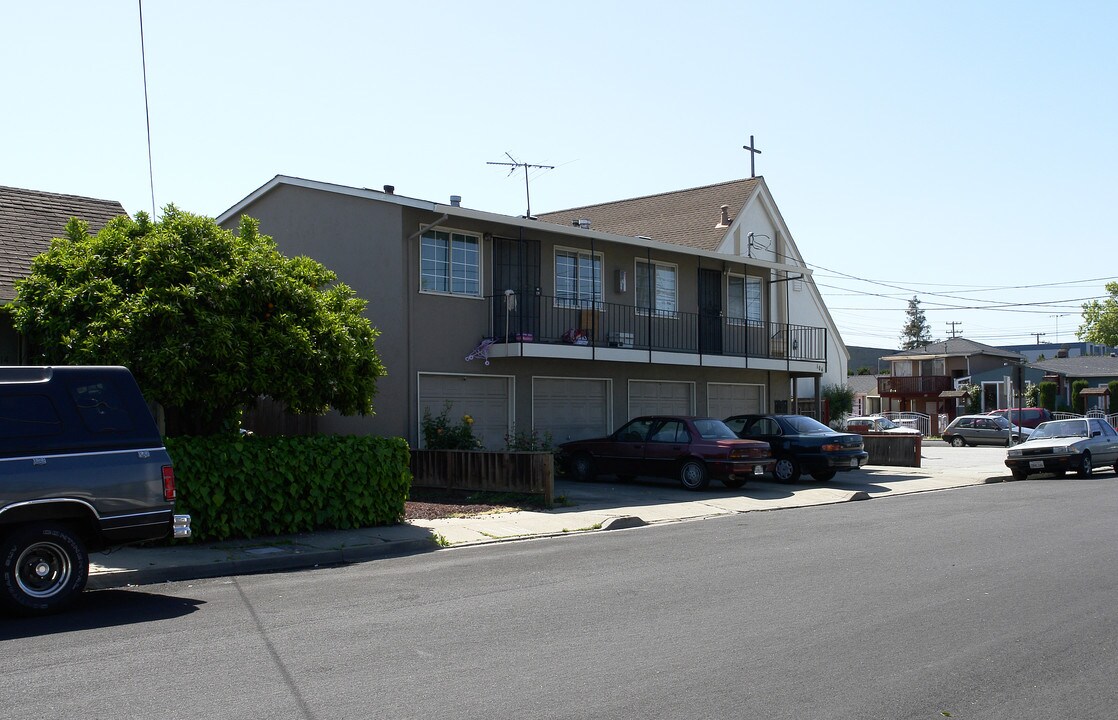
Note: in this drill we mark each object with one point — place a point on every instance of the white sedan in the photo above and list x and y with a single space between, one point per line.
1060 446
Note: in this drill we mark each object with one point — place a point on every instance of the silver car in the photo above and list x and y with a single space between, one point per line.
1060 446
983 430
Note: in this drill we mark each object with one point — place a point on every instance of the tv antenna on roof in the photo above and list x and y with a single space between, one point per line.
512 166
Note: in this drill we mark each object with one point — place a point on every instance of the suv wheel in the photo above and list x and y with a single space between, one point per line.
45 567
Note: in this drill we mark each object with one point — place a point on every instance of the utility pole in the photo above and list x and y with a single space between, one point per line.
512 166
1038 336
953 331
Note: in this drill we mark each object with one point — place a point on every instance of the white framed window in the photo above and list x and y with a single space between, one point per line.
656 289
450 262
743 299
578 278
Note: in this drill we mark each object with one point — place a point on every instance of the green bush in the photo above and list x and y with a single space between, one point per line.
248 486
1047 394
1077 403
439 433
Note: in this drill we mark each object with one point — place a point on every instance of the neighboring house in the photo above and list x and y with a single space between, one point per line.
867 401
924 379
29 219
999 384
692 302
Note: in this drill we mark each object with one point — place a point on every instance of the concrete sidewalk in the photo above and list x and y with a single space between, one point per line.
581 507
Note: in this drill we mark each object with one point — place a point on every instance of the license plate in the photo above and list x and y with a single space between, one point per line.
1036 464
854 462
758 469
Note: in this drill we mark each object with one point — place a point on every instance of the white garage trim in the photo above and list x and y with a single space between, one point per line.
556 401
492 399
726 399
661 397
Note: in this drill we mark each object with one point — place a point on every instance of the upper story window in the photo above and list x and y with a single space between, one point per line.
656 288
578 278
450 262
743 299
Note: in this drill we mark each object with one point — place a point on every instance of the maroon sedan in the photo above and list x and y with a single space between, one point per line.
689 448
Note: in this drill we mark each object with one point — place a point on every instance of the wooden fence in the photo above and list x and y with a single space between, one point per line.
531 473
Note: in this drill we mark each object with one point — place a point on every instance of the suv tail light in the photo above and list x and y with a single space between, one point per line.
168 483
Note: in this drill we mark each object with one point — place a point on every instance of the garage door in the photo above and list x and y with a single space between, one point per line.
571 408
660 398
484 398
726 399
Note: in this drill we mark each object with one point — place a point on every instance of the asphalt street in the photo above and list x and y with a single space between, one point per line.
987 601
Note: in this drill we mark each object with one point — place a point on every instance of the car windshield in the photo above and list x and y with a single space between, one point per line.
807 426
1061 428
711 429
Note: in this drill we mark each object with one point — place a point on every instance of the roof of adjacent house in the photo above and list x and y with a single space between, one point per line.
862 384
1081 366
692 218
953 347
29 219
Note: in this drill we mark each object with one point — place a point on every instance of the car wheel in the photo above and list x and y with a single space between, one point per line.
1020 474
45 567
958 441
786 469
824 475
693 475
582 467
1085 466
735 483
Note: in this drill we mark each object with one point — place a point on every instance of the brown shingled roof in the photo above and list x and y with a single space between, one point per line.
683 217
29 219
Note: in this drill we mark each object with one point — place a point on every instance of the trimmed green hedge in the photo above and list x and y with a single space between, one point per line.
252 486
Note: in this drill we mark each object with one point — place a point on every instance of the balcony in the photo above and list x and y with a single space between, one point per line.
919 386
549 320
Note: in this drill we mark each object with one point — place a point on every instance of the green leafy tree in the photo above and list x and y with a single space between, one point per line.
916 332
206 319
1100 319
840 401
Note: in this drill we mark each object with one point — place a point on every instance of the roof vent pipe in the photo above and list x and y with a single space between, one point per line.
725 214
389 189
456 200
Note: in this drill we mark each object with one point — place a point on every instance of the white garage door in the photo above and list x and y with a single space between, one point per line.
726 399
484 398
570 408
660 398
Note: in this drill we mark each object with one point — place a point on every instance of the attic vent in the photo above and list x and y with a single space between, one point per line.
725 215
584 223
389 189
456 200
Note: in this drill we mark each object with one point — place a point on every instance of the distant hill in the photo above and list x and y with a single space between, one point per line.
867 357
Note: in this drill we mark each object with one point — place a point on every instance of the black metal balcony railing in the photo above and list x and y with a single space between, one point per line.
929 385
544 319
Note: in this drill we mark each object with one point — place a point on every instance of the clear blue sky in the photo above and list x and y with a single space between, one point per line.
962 152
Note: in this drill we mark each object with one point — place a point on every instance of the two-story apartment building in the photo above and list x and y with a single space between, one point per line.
693 302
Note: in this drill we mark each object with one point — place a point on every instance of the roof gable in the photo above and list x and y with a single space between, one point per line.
691 218
953 347
29 219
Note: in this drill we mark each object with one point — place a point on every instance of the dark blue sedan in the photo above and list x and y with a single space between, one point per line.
801 444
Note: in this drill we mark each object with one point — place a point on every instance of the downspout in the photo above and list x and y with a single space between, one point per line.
651 281
594 308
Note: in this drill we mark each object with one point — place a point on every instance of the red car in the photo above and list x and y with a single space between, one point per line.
689 448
